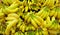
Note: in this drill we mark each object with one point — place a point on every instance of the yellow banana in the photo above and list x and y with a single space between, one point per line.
55 15
58 13
22 27
33 23
29 19
26 33
26 8
52 13
45 32
11 22
27 16
27 28
35 19
39 19
48 22
40 33
41 12
33 28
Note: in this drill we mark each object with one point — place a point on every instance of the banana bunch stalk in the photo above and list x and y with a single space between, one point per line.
12 20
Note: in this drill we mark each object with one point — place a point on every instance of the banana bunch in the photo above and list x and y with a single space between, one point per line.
12 20
30 17
35 20
12 8
44 12
8 2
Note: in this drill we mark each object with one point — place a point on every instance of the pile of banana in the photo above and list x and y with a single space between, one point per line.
29 17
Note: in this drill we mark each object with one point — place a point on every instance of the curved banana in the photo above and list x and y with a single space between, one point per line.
45 31
12 8
33 23
58 12
52 12
23 27
12 20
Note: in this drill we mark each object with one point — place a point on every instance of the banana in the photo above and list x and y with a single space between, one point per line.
26 8
56 26
33 23
21 33
44 10
58 13
53 32
35 19
42 15
41 12
29 20
1 15
37 33
22 27
26 33
50 3
19 23
53 25
33 28
45 15
52 12
46 3
45 32
39 19
27 28
48 22
40 33
27 16
55 15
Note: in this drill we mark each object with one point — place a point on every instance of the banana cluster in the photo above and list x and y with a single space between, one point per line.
30 17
